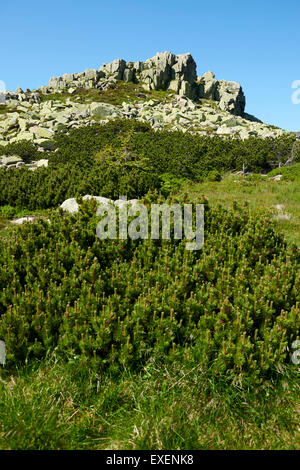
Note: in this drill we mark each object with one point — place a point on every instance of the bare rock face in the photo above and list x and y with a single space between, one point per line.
166 70
229 94
162 72
115 69
231 97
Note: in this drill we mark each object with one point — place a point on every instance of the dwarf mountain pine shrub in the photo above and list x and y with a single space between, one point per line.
231 308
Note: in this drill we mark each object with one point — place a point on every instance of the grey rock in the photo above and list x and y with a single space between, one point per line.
23 220
41 163
185 68
128 75
231 122
115 68
70 205
103 110
10 160
231 97
41 133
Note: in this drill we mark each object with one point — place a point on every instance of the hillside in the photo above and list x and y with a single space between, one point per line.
164 91
140 343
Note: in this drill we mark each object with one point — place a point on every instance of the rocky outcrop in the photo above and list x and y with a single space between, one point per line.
169 71
163 71
229 94
200 105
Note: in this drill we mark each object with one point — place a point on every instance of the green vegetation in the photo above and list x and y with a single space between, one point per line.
76 169
114 303
59 405
128 344
24 149
3 109
289 173
115 95
258 192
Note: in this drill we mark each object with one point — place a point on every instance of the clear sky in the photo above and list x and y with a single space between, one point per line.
252 42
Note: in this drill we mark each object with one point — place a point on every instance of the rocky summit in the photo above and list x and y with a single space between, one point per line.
164 91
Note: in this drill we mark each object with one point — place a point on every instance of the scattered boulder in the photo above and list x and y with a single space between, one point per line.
43 133
103 110
10 160
40 163
14 161
71 205
22 220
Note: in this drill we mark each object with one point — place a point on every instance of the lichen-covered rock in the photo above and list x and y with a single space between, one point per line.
115 68
42 133
11 160
103 110
231 97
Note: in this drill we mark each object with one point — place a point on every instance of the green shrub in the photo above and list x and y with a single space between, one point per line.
289 173
214 175
8 211
128 157
24 149
170 184
232 307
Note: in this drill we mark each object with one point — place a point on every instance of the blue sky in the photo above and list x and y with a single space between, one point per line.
255 43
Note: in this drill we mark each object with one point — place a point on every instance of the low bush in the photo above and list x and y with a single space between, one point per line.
231 307
24 149
126 157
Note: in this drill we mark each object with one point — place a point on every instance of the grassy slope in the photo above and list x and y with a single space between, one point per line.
59 406
116 95
260 192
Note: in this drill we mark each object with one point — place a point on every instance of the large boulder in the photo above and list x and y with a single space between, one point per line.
229 94
42 133
114 68
168 71
231 97
207 86
70 205
184 68
57 83
103 110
